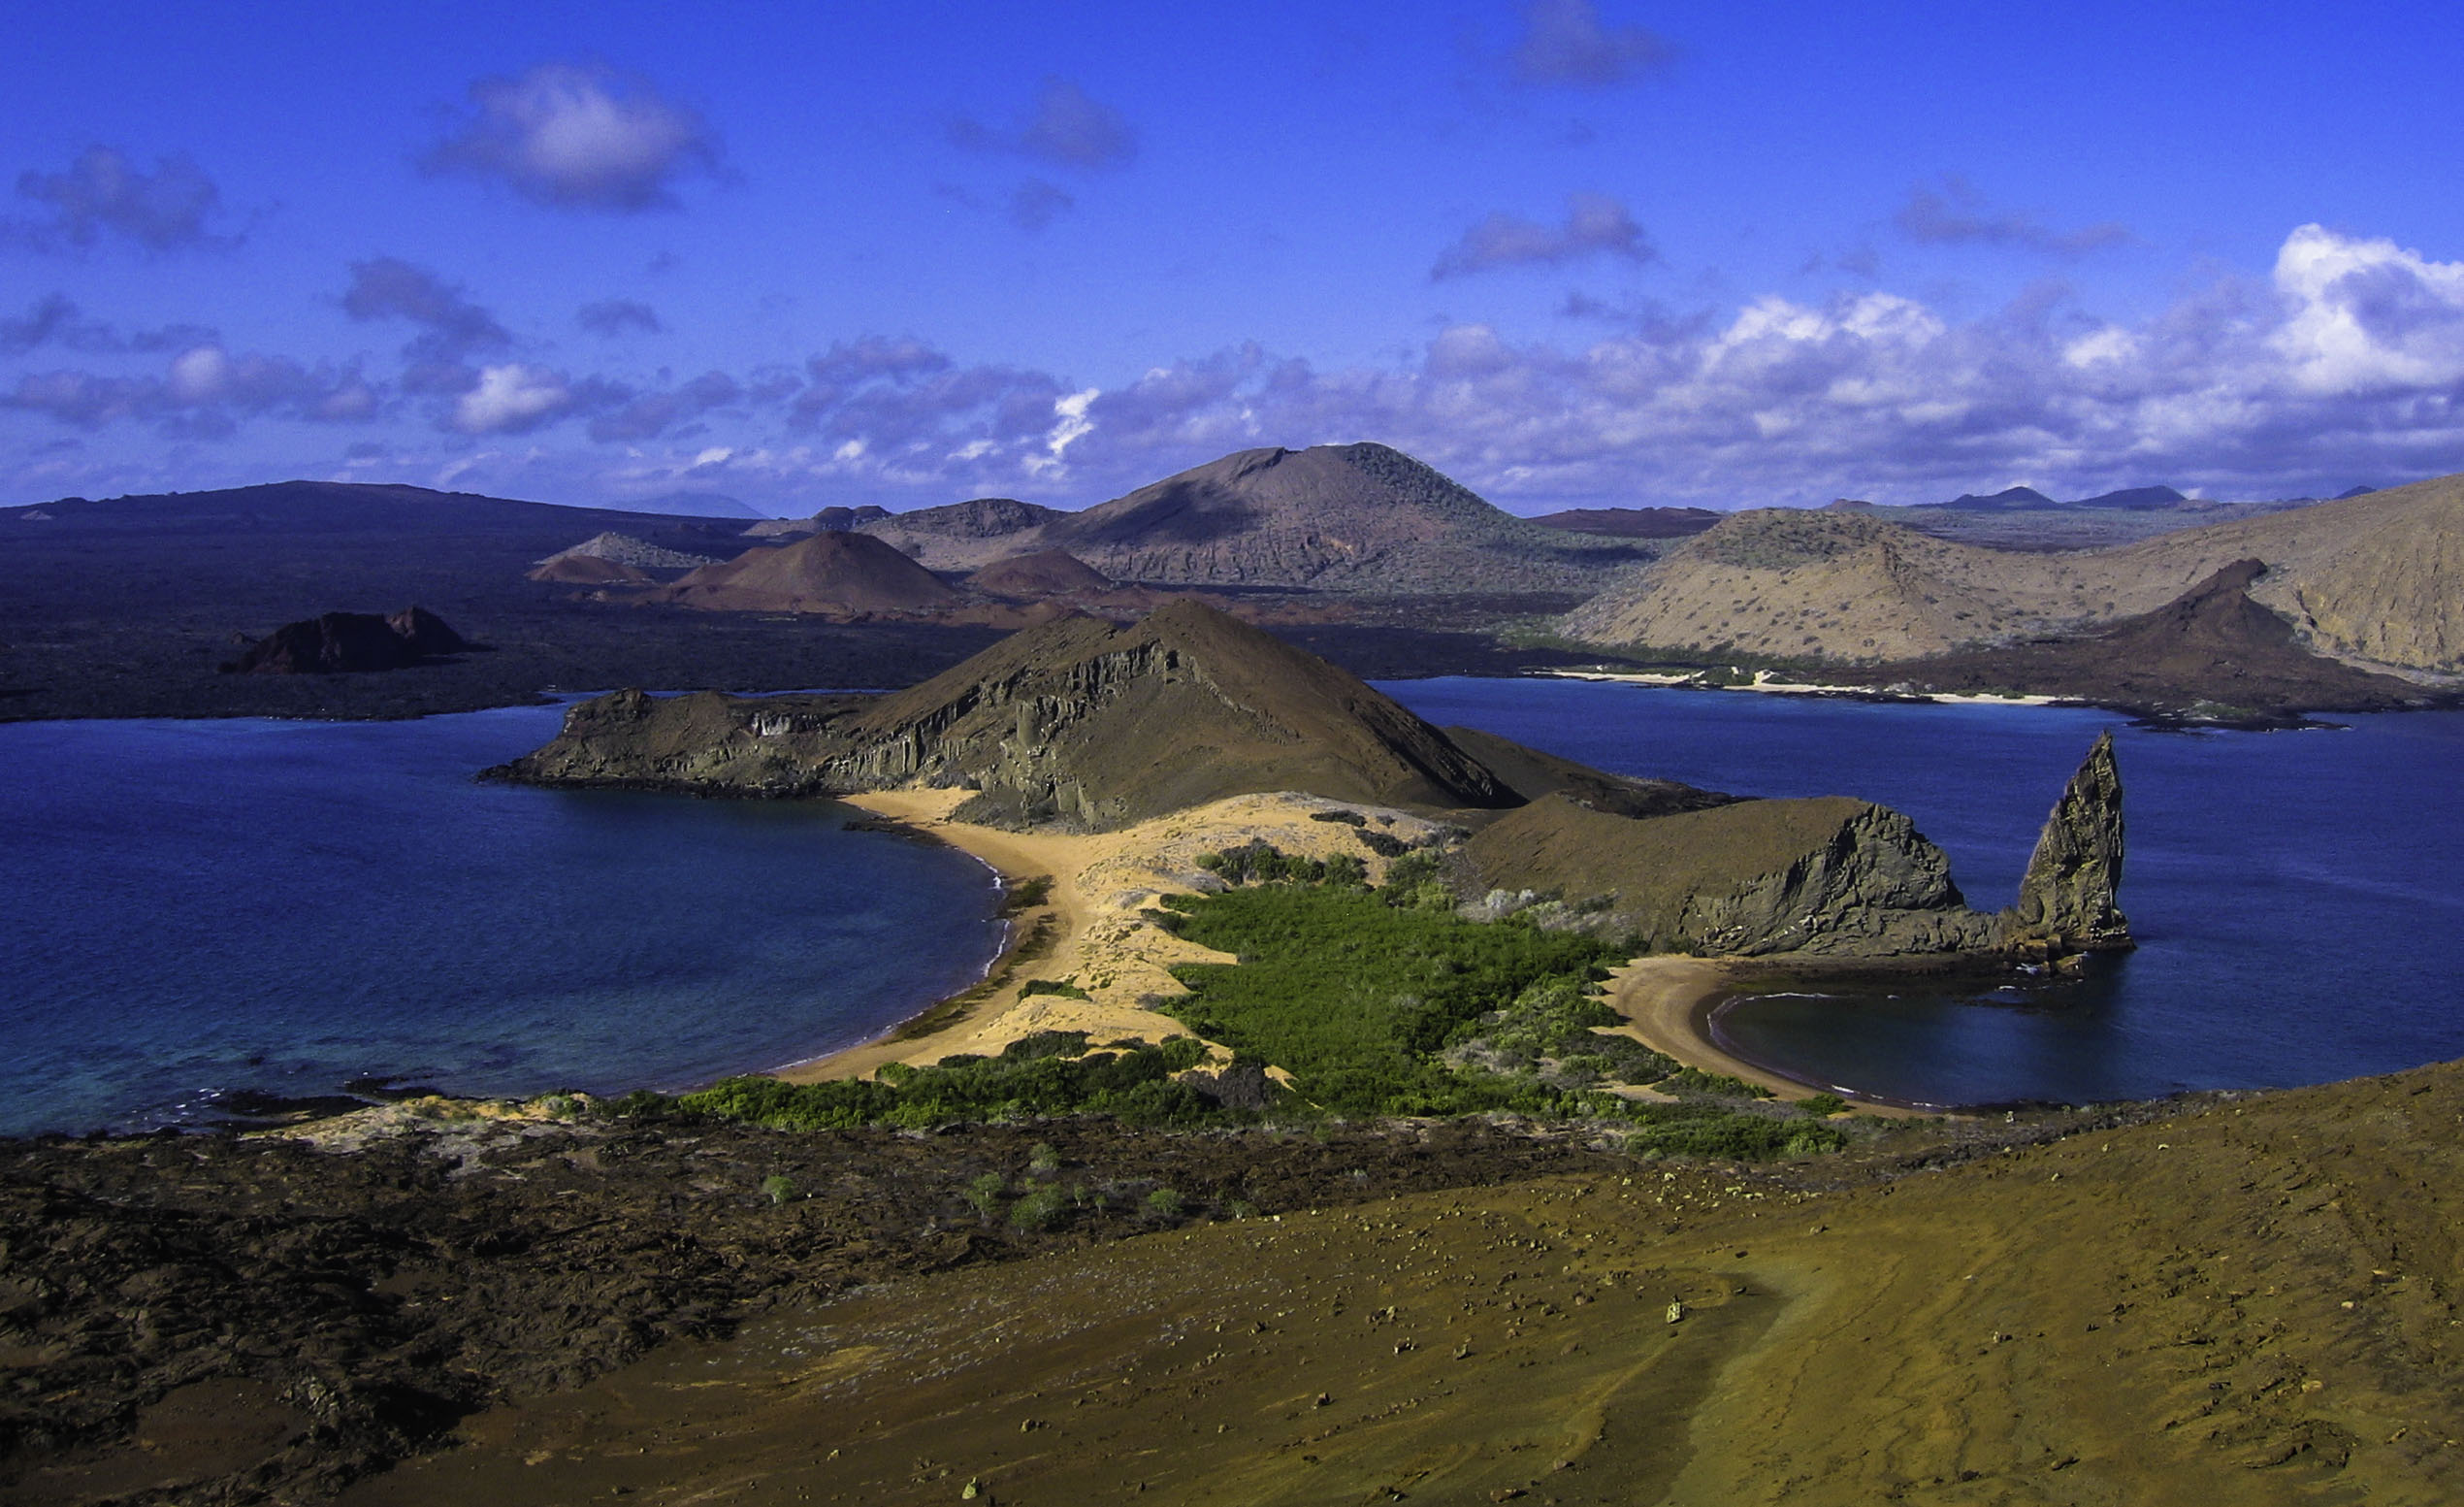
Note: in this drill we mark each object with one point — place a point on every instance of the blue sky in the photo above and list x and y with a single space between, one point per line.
1572 253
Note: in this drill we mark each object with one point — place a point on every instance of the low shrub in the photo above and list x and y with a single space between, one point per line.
1035 1075
1694 1080
1040 1209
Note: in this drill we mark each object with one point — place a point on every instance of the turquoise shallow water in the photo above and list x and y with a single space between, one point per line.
2298 897
192 908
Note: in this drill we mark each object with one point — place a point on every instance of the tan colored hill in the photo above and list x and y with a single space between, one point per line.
1359 518
826 572
2377 579
1791 583
2213 653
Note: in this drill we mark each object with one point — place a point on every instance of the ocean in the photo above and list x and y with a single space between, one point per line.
194 911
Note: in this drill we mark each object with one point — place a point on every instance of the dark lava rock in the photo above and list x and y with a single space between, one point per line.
276 1320
340 642
2066 903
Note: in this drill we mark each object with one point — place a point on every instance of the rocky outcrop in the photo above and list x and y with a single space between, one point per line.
344 643
2066 903
1826 877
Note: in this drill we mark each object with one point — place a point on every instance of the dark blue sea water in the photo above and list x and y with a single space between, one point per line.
188 908
2298 897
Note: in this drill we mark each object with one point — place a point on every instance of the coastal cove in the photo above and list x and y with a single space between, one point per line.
199 911
2294 893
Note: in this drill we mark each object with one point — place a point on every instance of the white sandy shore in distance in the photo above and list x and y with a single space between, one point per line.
1764 682
1095 935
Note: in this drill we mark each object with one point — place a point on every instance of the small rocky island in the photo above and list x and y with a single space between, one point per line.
351 644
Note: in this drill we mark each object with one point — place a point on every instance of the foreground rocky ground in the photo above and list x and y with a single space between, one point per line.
2229 1299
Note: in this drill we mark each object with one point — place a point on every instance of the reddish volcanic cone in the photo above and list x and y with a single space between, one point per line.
828 573
1047 573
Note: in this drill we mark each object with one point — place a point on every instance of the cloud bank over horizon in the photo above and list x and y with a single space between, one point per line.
2345 362
1567 256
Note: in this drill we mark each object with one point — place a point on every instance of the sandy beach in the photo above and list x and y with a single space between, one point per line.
1765 681
1089 932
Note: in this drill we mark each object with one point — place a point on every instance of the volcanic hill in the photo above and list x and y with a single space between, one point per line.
1350 517
830 573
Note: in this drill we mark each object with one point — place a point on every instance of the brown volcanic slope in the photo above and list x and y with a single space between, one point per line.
2212 647
2377 578
2246 1302
1077 719
1792 584
828 573
1046 572
1350 518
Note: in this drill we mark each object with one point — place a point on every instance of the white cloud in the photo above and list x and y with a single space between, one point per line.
199 375
579 138
1072 425
2367 314
511 399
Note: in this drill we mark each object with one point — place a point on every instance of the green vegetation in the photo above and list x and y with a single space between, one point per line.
1260 862
1356 997
1040 1208
1821 1107
1694 1080
1027 893
778 1187
1052 986
1377 1001
1042 1074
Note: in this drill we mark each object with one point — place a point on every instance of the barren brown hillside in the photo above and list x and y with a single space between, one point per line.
2377 579
2246 1301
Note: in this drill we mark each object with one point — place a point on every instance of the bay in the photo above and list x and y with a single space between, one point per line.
2298 897
191 909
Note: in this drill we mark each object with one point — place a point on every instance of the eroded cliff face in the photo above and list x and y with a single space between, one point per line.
1873 888
1826 877
2066 903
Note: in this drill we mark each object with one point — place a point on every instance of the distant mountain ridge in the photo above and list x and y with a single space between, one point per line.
1352 518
